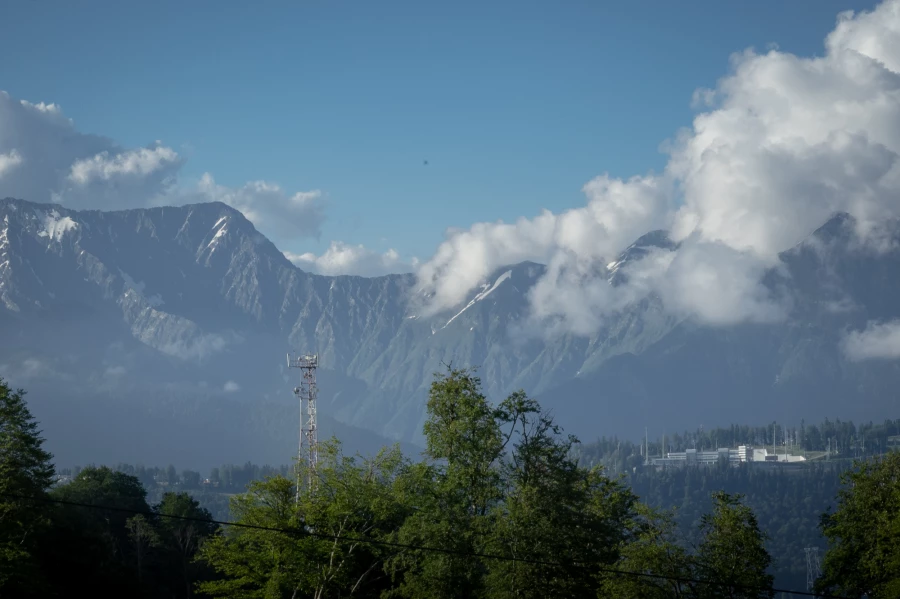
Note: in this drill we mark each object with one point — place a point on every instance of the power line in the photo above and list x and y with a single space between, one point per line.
308 533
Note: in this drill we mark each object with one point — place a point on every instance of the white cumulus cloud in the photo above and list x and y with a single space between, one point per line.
121 179
272 209
876 341
45 158
9 161
231 387
778 146
136 163
616 213
45 145
718 285
344 259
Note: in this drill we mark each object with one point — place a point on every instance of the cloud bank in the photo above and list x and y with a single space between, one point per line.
876 341
778 146
269 207
44 158
616 213
343 259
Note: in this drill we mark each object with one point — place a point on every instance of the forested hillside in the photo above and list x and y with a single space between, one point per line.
829 439
788 504
498 507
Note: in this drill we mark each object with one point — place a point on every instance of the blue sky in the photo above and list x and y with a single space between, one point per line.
514 104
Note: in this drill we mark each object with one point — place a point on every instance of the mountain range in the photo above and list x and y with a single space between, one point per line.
159 336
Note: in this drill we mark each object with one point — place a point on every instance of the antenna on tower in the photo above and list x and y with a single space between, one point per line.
813 567
308 446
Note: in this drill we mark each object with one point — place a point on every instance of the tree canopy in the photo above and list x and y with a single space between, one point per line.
864 533
25 472
501 505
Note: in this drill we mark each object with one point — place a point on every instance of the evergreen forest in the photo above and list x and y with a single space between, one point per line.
501 504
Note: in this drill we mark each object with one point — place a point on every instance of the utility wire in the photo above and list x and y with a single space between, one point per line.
307 533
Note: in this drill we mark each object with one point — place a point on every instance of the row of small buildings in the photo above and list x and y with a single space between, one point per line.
743 454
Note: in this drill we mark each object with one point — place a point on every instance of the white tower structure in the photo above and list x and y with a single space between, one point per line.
308 448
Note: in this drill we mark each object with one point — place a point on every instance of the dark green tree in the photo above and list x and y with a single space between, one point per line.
732 552
454 492
730 561
255 562
25 472
532 503
653 549
183 527
563 521
97 544
144 539
352 501
863 533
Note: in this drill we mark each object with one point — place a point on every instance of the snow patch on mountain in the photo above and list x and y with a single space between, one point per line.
4 255
214 240
613 267
154 300
4 237
483 294
55 226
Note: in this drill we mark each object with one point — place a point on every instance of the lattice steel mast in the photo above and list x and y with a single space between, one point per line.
308 447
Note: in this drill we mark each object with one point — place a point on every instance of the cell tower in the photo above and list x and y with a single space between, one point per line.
308 447
813 567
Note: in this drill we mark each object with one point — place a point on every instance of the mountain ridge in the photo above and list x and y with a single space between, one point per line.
195 293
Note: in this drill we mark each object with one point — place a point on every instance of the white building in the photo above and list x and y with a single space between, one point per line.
763 455
742 454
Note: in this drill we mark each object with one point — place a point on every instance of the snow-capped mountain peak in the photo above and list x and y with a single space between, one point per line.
194 293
